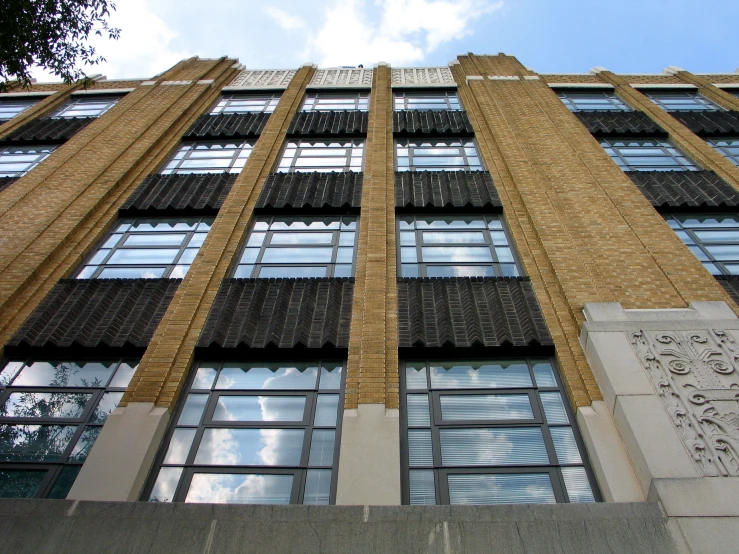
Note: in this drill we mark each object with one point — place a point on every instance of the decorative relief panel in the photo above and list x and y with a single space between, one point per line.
423 76
342 78
277 78
696 375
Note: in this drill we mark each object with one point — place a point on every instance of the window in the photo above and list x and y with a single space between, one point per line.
246 103
489 432
321 155
336 101
593 101
255 433
714 239
299 247
11 107
647 155
430 100
86 106
148 249
674 101
209 157
455 246
19 160
729 147
437 155
51 412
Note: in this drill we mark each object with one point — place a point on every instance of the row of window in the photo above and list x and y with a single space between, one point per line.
609 101
77 106
472 432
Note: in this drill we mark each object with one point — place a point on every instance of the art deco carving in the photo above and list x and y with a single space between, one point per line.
696 375
278 78
425 76
342 77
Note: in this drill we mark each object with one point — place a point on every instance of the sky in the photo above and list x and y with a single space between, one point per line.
550 36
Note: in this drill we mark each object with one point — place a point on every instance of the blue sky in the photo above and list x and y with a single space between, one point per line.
551 36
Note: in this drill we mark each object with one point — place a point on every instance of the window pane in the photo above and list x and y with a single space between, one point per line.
480 375
193 409
420 452
470 407
83 446
260 408
271 377
317 487
322 447
22 483
64 482
418 410
34 443
565 445
554 408
282 272
124 375
531 488
64 374
240 488
250 447
458 238
544 374
179 446
456 254
45 404
204 378
422 487
577 485
302 238
331 376
327 407
492 447
415 376
166 484
105 407
459 271
297 255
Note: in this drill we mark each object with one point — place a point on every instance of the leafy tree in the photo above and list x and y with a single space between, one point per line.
51 34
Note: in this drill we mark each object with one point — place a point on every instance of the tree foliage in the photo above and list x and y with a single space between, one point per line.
51 34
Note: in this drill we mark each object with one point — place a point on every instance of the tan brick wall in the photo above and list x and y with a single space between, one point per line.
583 230
163 369
652 79
570 78
372 368
52 217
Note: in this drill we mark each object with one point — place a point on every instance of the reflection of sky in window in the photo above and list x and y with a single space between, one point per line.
240 489
531 488
249 447
66 374
490 447
480 375
263 378
260 408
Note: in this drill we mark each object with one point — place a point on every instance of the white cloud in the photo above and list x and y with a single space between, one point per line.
284 19
407 30
143 49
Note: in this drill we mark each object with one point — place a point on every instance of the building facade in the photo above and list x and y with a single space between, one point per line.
386 287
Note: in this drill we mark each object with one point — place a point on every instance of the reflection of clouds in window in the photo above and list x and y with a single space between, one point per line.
267 447
240 489
479 376
501 489
264 378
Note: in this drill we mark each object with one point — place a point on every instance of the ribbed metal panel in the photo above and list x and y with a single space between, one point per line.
669 190
198 192
338 122
47 130
238 125
312 190
709 123
432 122
442 189
619 123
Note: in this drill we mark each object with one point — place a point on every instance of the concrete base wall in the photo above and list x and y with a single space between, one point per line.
62 526
121 457
369 463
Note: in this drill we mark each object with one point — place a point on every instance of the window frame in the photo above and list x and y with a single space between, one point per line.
55 468
406 143
441 472
733 158
173 165
299 472
312 100
354 143
78 101
692 97
445 94
6 102
422 266
6 151
271 100
699 244
665 144
569 99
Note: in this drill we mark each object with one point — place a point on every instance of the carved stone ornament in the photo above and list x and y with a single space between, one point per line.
696 376
342 77
263 78
428 76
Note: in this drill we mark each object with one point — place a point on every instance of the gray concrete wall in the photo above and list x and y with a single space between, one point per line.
63 526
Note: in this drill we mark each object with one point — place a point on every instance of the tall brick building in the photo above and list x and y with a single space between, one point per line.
472 284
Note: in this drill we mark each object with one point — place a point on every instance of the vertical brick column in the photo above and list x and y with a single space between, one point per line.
583 230
54 215
684 138
369 470
372 374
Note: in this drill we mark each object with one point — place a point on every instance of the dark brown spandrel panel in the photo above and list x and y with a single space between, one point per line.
241 125
338 122
98 312
442 189
619 123
731 285
5 182
670 190
469 312
193 191
312 190
47 130
709 122
280 313
432 123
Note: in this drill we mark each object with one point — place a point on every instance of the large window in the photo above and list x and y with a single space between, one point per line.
714 239
209 157
455 246
336 101
437 155
10 107
19 160
86 106
299 247
729 147
489 432
144 248
322 155
428 100
686 100
255 433
51 412
593 101
647 155
246 103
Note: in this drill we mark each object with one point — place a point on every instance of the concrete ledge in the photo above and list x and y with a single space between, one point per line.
704 497
63 526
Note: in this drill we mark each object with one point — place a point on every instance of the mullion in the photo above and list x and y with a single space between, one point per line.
92 402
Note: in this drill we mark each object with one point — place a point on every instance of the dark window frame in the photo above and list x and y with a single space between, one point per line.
312 100
270 102
173 165
569 98
345 167
77 103
401 97
699 247
733 158
408 143
620 158
693 98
